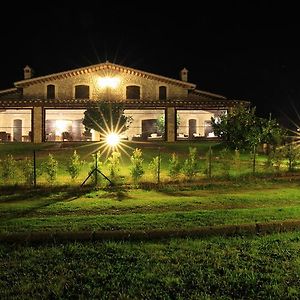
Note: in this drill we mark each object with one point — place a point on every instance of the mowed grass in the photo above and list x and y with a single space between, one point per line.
170 207
265 267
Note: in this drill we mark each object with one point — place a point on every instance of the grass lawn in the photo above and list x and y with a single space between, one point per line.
239 267
67 208
264 267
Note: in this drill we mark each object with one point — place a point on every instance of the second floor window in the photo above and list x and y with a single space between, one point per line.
82 92
162 93
51 91
133 92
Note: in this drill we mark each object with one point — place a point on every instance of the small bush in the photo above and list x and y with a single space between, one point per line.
113 164
136 170
27 171
225 162
51 168
292 155
154 168
74 165
9 168
174 166
191 166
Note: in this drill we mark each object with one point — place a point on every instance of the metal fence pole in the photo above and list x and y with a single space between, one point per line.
34 169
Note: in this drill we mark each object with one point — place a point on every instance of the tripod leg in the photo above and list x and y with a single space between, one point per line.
105 176
88 176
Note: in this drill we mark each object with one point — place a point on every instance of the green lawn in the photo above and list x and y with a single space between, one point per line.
238 267
264 267
171 207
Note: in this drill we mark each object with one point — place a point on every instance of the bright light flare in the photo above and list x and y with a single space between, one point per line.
60 126
111 82
112 139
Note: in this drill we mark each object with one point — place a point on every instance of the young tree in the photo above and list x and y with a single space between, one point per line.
106 117
243 130
51 168
136 170
9 168
113 164
191 165
174 166
154 168
74 165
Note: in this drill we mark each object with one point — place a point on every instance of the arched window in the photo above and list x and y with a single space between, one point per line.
133 92
162 93
82 92
51 91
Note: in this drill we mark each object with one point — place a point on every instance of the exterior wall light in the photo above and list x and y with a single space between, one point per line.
111 82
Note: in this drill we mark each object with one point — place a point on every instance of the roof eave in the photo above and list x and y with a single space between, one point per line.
97 67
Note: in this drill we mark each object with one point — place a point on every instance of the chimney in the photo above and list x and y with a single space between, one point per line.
28 72
184 75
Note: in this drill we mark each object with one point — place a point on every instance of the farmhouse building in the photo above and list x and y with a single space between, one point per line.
51 107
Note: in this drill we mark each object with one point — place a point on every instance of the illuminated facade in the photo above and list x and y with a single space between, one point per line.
51 108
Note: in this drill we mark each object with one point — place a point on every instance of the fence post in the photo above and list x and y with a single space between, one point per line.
34 169
158 166
209 162
254 159
96 168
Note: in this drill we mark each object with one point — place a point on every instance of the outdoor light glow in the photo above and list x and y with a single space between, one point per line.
112 139
111 82
60 126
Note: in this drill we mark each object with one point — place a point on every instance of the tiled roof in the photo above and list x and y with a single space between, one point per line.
103 66
10 94
195 94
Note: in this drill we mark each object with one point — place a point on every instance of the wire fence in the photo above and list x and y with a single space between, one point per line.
66 166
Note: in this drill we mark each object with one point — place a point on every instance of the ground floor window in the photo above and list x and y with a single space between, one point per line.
15 125
147 124
194 124
66 125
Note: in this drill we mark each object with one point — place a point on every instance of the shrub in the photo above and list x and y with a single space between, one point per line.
154 168
27 170
174 166
74 165
113 164
292 155
225 162
9 168
191 165
51 168
136 170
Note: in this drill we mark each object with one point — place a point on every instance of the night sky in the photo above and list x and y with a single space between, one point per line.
241 49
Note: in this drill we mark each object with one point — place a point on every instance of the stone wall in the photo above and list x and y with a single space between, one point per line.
65 87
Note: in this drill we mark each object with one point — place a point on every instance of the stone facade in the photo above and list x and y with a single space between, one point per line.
60 117
65 87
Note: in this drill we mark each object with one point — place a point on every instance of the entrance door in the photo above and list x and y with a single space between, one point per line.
17 130
192 127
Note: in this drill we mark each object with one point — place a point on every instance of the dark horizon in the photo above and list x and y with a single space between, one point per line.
243 51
